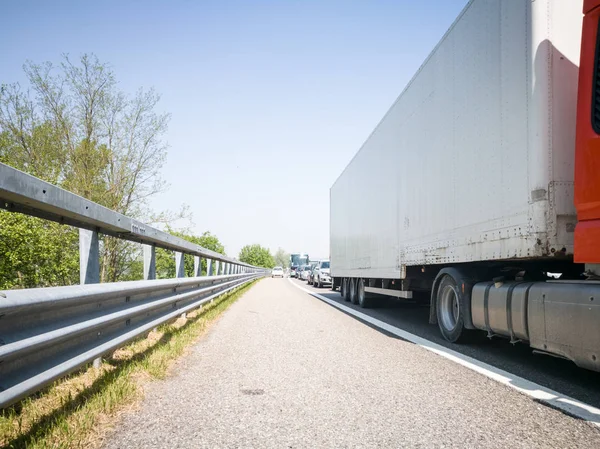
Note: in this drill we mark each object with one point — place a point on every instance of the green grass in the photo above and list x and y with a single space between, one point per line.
77 411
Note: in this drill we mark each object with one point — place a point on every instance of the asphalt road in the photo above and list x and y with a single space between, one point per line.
284 369
551 372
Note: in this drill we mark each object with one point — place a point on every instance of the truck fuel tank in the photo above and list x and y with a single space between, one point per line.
501 308
557 317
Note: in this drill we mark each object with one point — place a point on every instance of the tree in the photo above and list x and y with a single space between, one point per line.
165 260
282 259
257 255
76 129
35 252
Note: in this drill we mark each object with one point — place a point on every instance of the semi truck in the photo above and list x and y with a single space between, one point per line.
478 192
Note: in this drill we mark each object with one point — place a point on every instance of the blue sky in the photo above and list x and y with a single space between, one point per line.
269 99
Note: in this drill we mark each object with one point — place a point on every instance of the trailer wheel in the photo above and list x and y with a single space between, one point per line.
450 313
347 288
363 301
353 295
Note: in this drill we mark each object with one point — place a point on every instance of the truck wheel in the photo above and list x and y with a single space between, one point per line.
353 295
450 313
363 301
342 289
347 289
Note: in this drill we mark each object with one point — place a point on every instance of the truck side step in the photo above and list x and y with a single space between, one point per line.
405 294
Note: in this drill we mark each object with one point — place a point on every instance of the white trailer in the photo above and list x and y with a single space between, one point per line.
469 178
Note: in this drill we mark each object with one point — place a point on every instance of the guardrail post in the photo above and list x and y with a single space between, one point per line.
89 257
149 262
180 269
217 267
209 267
179 265
89 264
226 268
197 266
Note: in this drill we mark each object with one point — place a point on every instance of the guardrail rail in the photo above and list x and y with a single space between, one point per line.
47 333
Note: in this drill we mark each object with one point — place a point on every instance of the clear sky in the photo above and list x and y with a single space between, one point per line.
269 99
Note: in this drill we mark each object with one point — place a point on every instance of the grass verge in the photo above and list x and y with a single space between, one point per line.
79 410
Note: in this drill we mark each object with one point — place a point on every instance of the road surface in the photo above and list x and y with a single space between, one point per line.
551 372
282 368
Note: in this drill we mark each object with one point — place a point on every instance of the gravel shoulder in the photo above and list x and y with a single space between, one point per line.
283 369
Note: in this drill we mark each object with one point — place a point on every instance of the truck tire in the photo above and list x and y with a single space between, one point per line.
363 301
450 311
347 289
342 291
353 295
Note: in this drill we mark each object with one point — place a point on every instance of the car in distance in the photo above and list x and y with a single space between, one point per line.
311 270
299 271
321 274
277 272
304 271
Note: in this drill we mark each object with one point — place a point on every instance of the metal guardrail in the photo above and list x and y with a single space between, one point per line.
47 333
20 192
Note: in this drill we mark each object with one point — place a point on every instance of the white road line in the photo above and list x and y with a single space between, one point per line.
531 389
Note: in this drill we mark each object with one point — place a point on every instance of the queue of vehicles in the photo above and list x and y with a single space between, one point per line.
315 273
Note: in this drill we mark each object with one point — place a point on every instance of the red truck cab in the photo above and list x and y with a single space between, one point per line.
587 153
